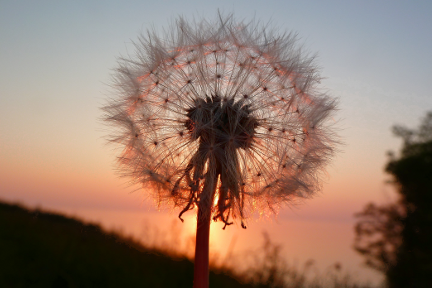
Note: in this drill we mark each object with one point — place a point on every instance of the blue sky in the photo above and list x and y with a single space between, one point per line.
57 58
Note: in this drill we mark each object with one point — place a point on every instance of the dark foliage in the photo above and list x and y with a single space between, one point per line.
378 234
406 226
39 249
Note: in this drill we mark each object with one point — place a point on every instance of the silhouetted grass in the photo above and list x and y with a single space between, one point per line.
40 249
266 267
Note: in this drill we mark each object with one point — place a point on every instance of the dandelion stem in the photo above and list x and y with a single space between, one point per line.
201 267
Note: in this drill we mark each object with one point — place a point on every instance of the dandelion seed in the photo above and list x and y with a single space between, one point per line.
225 88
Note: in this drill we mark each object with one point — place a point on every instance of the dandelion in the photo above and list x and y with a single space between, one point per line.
221 116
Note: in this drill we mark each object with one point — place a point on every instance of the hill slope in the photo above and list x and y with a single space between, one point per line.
39 249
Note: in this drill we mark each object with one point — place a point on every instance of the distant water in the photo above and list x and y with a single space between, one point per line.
326 242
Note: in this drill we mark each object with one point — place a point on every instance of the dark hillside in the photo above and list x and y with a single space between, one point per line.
39 249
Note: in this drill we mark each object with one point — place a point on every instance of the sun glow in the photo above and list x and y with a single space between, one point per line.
216 196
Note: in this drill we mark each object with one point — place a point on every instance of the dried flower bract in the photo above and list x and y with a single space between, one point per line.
221 114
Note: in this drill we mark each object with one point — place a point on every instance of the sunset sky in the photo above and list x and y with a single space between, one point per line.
56 58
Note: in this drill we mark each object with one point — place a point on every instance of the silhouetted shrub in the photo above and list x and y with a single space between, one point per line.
397 238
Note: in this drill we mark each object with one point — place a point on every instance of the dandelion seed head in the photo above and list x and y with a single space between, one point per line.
221 108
